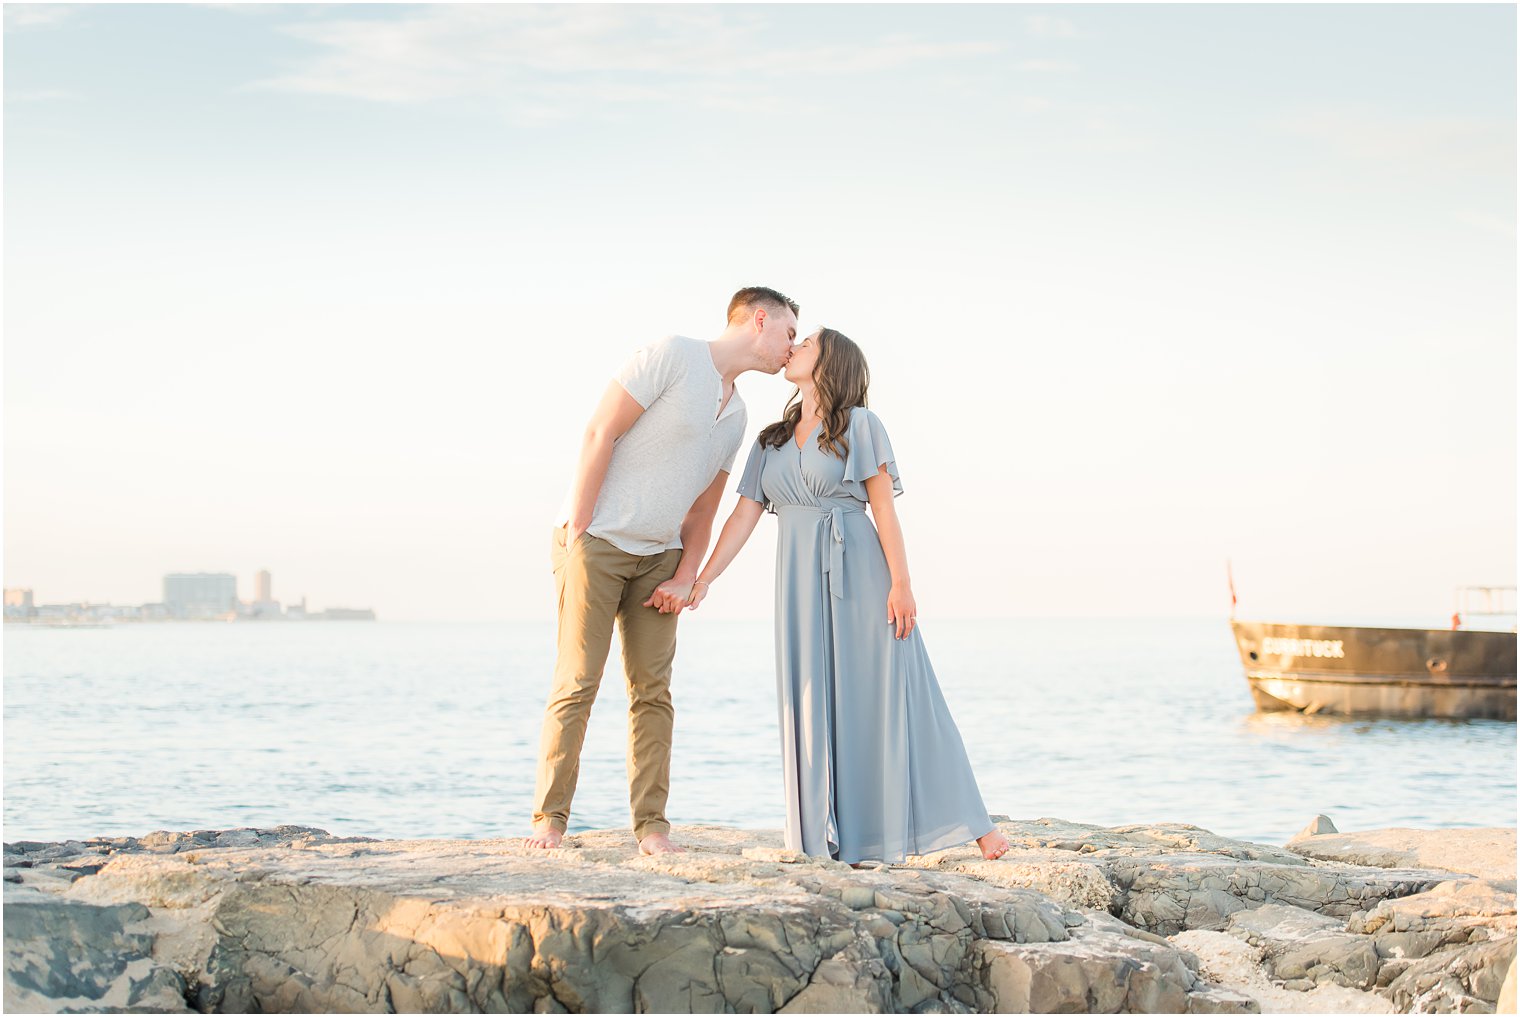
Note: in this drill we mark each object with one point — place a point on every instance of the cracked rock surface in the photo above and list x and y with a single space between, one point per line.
1075 919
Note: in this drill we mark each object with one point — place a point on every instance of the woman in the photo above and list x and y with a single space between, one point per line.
874 766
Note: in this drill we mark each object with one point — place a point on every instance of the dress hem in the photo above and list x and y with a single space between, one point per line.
961 833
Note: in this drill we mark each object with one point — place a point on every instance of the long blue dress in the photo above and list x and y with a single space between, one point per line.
873 764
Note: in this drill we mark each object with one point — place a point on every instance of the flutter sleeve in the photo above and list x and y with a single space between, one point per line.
749 483
870 450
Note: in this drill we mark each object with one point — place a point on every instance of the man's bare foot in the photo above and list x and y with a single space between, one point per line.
658 844
994 845
544 836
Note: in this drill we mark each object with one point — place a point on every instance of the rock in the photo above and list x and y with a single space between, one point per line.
1317 825
1468 982
64 954
1170 877
1218 999
841 984
1169 893
1235 966
1098 971
1302 946
292 919
1446 950
1507 992
1483 853
1074 977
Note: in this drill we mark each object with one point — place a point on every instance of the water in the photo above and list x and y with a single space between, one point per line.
431 730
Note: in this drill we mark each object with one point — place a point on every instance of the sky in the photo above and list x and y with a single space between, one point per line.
332 290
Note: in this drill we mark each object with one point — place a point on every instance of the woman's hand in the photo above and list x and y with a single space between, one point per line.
670 596
698 594
902 609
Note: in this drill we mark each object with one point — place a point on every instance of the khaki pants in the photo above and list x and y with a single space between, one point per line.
598 583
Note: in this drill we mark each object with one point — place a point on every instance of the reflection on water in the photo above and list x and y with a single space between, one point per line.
419 730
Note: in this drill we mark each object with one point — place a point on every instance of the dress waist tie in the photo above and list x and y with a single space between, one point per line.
831 514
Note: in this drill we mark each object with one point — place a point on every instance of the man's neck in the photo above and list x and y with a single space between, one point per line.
731 355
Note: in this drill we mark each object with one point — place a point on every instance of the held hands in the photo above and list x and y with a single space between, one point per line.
902 610
671 595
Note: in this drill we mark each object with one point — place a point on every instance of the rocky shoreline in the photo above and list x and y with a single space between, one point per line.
1164 918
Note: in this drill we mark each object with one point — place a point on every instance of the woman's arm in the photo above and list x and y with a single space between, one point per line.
696 530
902 610
741 523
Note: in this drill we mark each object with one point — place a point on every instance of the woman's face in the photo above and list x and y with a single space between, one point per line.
799 369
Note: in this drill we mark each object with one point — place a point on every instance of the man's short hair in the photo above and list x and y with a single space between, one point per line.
763 296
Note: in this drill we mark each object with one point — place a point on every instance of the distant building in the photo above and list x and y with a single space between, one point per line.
264 606
200 594
344 614
18 604
188 596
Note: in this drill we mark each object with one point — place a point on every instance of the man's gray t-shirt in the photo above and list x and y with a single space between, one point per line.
672 452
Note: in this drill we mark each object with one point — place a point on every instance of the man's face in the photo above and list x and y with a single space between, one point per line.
778 330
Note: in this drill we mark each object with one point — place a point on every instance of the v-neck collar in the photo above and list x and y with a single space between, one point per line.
804 445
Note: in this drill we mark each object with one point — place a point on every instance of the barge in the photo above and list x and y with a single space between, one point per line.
1385 672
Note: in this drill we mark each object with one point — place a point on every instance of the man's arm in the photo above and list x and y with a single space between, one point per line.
614 415
696 531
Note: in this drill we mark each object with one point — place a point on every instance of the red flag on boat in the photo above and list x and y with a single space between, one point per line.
1230 574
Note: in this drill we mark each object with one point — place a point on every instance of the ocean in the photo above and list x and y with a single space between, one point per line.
395 729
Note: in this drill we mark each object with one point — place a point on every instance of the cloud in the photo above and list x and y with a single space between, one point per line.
548 62
37 15
1463 144
1044 26
36 94
1487 223
1047 66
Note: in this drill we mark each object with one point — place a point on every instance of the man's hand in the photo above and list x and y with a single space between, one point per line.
670 596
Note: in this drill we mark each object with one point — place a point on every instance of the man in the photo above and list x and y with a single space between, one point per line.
654 461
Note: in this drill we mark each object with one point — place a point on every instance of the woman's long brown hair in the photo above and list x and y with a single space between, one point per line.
840 380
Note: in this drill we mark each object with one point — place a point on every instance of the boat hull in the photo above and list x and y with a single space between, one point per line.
1355 671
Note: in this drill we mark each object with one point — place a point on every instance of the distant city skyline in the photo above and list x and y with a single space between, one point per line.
332 290
186 596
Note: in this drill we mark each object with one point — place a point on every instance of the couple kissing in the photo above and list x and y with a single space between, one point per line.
873 766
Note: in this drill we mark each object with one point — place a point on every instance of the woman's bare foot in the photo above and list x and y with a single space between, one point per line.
658 844
544 836
994 845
